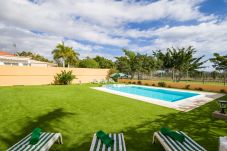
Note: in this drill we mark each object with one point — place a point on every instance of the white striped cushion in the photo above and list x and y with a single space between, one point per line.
187 145
119 143
45 142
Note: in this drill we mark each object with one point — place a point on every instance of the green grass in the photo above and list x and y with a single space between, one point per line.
78 112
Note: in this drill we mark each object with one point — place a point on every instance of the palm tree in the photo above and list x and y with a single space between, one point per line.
65 55
180 60
71 57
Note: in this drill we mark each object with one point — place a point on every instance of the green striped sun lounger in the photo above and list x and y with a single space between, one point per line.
173 145
119 143
45 142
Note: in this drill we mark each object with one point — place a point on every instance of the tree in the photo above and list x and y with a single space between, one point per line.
179 60
88 63
125 63
165 59
122 64
143 64
135 63
149 64
72 58
104 63
33 56
220 64
111 71
65 55
214 74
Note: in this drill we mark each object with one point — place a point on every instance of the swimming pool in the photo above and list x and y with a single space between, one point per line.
155 93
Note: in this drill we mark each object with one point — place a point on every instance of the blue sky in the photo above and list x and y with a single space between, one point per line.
104 27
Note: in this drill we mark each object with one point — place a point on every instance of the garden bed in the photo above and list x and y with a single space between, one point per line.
179 85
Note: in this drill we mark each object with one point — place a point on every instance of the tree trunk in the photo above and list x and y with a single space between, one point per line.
224 78
63 63
203 78
187 76
132 76
178 76
173 76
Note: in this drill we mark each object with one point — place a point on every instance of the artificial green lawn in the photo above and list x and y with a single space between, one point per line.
77 111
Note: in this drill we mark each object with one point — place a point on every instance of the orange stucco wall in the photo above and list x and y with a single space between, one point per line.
14 75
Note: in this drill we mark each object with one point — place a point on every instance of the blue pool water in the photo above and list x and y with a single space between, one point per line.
161 94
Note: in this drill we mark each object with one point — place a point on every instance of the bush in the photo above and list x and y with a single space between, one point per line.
146 84
161 84
169 86
139 82
222 91
133 82
64 77
153 84
111 71
200 89
129 82
187 86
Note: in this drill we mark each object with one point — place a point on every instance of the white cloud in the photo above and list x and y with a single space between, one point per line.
38 43
206 37
113 13
92 20
104 23
54 17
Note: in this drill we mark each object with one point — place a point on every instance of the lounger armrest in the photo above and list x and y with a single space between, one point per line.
162 141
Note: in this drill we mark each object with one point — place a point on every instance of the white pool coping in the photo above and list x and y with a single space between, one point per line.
181 105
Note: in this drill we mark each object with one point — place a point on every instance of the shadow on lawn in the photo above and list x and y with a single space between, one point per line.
84 146
44 122
198 124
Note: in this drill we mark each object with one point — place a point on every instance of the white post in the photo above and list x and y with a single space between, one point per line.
224 78
63 63
187 76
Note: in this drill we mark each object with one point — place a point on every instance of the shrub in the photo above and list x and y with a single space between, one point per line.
200 89
133 82
129 82
64 77
139 82
187 86
169 86
111 71
146 84
222 91
161 84
153 84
